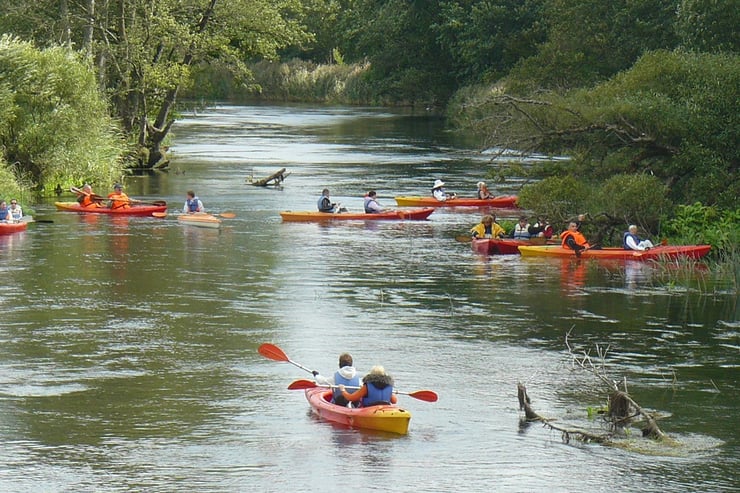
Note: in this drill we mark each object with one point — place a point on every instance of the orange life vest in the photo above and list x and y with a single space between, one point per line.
577 236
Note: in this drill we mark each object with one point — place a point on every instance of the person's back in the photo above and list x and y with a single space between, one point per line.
379 388
346 375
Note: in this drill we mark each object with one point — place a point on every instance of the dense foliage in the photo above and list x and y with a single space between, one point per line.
54 125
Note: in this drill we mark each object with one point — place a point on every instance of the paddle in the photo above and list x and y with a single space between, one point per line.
100 198
463 239
422 395
225 215
271 351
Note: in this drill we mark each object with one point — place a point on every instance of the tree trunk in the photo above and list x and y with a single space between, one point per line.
87 33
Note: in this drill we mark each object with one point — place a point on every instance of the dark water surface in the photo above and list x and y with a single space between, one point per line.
129 359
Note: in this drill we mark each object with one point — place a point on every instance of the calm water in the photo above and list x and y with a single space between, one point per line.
129 359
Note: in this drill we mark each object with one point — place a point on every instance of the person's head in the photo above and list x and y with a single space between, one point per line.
3 204
372 194
572 226
190 194
13 202
325 192
488 219
377 370
438 184
118 187
345 359
87 188
523 220
632 229
481 185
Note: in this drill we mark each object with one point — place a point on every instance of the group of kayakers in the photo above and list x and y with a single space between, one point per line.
117 199
375 388
14 213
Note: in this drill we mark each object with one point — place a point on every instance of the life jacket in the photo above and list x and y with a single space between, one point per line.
339 379
119 201
324 204
368 210
577 236
16 213
379 389
626 235
521 233
193 204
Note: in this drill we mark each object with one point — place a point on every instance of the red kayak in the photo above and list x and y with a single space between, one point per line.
134 210
10 228
314 216
501 202
655 253
386 417
505 246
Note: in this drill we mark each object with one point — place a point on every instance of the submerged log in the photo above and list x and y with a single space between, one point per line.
276 178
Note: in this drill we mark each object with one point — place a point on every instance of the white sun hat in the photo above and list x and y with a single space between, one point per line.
438 183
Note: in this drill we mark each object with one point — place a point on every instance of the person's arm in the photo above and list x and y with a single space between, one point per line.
185 208
498 231
354 396
394 399
571 242
200 206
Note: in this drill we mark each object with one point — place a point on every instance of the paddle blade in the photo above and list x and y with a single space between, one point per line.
424 395
302 385
159 214
227 215
463 239
271 351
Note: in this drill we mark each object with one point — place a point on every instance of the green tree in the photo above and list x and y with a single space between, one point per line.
709 25
55 127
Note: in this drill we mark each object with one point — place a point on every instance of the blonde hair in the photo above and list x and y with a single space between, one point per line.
377 370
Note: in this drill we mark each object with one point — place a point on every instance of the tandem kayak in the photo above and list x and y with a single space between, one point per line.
655 253
504 246
501 202
134 210
386 417
10 228
309 216
200 220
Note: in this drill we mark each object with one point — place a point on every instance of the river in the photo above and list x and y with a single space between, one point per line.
129 358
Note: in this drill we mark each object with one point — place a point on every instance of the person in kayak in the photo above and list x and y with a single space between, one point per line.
574 239
488 228
16 213
5 212
439 193
85 197
521 230
371 204
346 376
118 199
192 204
541 228
631 241
377 388
326 205
483 192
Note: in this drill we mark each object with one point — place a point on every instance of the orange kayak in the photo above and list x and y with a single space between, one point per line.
501 202
390 418
10 228
655 253
310 216
134 210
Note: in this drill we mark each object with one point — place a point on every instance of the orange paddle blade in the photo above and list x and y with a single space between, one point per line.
271 351
302 385
424 395
159 214
227 215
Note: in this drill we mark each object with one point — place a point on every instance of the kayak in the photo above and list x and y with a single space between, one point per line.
655 253
309 216
200 220
502 202
504 246
386 417
134 210
10 228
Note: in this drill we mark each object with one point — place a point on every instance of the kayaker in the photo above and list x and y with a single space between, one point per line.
438 191
483 192
5 212
325 204
85 197
521 230
574 239
118 199
488 228
377 388
541 228
15 210
192 203
346 375
371 204
631 241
